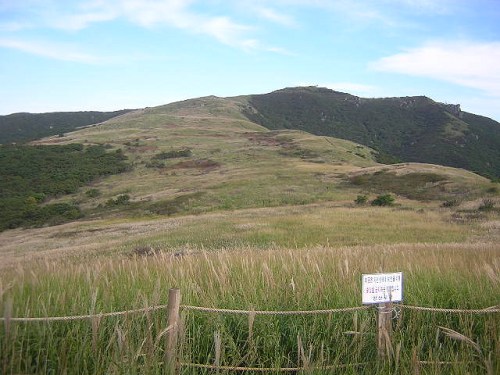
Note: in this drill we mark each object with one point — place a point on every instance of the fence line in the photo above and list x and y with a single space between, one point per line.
270 312
488 310
82 317
275 369
384 330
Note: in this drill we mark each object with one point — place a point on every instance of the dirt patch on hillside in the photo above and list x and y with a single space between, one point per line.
269 139
141 149
205 165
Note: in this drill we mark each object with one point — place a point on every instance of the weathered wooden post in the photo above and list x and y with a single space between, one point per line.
218 351
384 330
415 363
174 302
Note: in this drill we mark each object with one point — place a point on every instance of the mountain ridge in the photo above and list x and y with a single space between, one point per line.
411 129
400 129
26 127
203 155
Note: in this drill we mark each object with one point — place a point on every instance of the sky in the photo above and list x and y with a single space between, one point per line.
75 55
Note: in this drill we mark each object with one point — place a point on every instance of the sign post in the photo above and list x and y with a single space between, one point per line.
383 289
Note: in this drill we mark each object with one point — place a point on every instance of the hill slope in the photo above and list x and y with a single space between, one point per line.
414 129
203 155
24 127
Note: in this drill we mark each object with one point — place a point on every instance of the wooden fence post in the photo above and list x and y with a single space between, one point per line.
384 330
218 350
414 360
174 302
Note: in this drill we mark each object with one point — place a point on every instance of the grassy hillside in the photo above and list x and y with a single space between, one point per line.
25 127
227 162
203 155
412 129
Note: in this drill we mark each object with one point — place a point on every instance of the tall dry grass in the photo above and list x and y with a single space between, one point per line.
447 275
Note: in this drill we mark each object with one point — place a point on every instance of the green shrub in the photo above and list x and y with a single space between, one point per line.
360 180
183 153
451 203
31 174
120 200
383 200
155 164
361 199
92 193
493 190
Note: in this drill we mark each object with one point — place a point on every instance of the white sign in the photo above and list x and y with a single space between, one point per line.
382 287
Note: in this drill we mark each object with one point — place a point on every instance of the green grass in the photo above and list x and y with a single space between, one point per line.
288 279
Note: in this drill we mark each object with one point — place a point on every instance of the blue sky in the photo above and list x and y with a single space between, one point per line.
66 55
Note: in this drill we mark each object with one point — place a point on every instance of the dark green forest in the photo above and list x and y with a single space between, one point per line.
31 175
409 129
25 127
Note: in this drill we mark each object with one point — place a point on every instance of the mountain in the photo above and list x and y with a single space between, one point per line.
24 127
409 129
406 129
204 155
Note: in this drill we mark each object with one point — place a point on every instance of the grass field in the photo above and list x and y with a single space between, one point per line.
278 279
289 258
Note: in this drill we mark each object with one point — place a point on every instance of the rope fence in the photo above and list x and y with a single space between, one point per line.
274 369
269 312
83 317
245 312
488 310
172 359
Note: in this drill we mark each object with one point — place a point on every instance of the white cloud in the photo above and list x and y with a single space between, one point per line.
224 30
465 63
427 6
62 52
14 26
275 16
75 22
179 14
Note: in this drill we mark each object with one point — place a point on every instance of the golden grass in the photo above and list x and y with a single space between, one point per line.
280 227
447 275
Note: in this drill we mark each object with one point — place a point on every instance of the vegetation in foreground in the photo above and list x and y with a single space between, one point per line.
287 279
